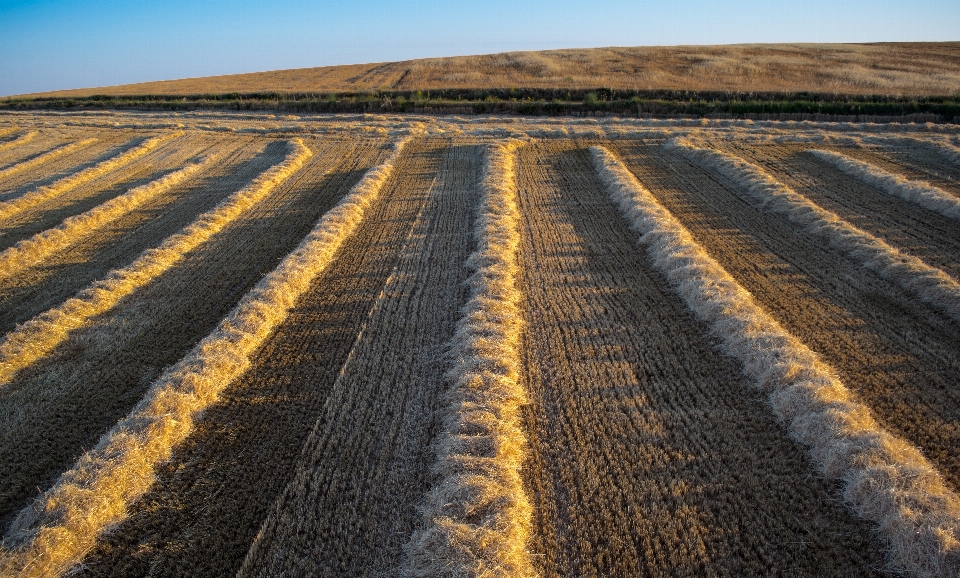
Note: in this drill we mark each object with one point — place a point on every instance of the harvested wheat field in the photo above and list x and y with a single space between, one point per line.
371 345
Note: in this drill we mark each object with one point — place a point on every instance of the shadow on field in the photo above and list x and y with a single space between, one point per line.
47 285
897 354
40 219
923 233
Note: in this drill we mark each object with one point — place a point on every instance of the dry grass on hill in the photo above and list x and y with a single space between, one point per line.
930 68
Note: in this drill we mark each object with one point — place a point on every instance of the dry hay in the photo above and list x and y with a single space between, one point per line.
128 347
478 516
33 250
38 336
41 159
19 141
649 454
947 150
905 225
364 468
60 275
880 68
897 354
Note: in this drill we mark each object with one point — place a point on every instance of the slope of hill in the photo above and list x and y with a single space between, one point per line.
900 69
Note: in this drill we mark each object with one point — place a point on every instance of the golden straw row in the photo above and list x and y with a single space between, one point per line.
923 194
37 196
477 516
51 536
33 250
886 479
35 338
912 274
49 156
21 140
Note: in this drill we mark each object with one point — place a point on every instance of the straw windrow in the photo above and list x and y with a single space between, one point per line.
923 194
20 140
477 516
948 150
33 250
37 196
45 157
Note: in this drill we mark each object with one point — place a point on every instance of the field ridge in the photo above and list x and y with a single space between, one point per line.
909 68
477 517
921 193
390 345
21 140
48 156
379 414
948 150
33 250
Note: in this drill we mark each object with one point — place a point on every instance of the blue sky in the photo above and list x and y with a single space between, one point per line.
56 44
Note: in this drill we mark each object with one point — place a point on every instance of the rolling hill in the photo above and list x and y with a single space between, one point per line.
897 69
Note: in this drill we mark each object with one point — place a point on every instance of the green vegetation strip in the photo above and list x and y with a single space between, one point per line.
548 102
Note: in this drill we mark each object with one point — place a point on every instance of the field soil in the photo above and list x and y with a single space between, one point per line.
917 163
650 454
48 212
905 225
123 351
46 284
24 172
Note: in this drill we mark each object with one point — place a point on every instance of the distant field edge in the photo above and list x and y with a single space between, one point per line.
538 102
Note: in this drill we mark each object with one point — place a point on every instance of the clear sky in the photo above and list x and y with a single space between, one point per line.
58 44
